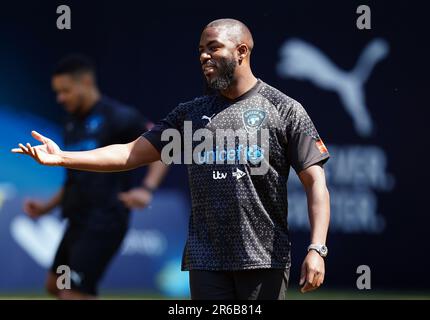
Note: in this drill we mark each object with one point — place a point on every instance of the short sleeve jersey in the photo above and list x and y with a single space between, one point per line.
239 219
92 197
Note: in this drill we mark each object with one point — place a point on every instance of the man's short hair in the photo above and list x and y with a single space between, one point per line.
75 65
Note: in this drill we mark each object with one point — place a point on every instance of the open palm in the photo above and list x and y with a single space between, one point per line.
47 153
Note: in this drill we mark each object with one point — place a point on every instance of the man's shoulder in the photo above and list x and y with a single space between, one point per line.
116 108
277 98
197 102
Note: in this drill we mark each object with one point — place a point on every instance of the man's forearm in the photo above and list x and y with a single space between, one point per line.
107 159
319 211
55 200
156 172
116 157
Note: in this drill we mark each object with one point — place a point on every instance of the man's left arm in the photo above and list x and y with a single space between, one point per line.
140 197
314 182
134 124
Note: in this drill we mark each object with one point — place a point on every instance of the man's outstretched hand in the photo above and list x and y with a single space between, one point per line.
47 153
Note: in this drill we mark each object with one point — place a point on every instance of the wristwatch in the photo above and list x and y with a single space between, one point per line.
320 248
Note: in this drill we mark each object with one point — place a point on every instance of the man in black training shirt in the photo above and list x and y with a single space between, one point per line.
97 205
238 244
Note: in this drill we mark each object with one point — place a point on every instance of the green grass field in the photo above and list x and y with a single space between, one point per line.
293 294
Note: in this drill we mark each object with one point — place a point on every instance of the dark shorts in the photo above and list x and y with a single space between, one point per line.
258 284
87 252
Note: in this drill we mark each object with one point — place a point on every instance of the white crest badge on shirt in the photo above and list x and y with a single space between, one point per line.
253 119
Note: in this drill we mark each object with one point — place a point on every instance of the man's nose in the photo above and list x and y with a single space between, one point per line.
204 56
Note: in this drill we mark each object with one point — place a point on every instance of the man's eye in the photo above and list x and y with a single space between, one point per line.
212 48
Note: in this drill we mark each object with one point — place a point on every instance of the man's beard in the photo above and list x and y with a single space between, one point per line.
224 78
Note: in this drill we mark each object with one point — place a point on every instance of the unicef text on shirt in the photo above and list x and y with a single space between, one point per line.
224 146
253 154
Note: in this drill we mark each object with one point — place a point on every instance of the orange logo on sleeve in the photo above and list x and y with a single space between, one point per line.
321 147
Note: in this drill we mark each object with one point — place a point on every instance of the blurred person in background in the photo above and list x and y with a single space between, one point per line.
96 205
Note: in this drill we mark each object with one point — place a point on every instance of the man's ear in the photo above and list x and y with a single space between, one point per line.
243 52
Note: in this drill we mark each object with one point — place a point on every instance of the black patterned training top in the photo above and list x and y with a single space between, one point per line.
239 219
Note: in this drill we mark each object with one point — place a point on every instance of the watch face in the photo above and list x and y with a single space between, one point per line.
324 250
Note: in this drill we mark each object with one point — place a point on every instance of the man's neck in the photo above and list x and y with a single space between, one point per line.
240 86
